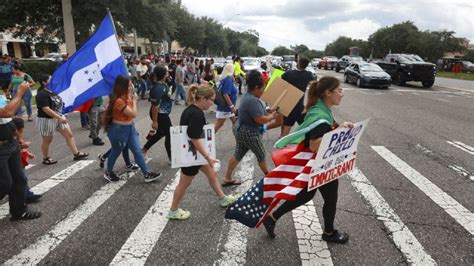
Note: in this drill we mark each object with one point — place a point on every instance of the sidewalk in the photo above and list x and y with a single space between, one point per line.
456 84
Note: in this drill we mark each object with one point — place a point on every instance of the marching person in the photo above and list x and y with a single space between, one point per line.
200 98
12 180
161 105
17 78
229 91
50 119
323 95
118 122
250 127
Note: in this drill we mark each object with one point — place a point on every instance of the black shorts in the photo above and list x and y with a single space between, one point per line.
190 170
296 115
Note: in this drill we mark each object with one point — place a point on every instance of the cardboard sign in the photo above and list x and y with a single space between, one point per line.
282 95
336 155
183 152
277 73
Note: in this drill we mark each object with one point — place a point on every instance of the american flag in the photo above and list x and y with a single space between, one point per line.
283 182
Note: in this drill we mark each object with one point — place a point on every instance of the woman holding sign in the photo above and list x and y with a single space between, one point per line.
323 95
200 97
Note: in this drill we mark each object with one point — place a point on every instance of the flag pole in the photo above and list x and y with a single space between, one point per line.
116 37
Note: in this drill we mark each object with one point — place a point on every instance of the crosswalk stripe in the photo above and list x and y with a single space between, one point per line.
402 237
37 251
462 215
313 250
235 248
462 146
51 182
140 243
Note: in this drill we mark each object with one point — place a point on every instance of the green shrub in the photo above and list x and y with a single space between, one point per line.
34 68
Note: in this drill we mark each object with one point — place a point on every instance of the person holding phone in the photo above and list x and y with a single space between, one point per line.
18 77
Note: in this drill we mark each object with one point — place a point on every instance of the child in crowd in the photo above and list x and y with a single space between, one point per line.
25 155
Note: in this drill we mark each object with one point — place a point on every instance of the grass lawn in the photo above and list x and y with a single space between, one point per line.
463 76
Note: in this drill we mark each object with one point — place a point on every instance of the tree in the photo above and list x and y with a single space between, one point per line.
261 51
299 49
469 56
397 38
282 50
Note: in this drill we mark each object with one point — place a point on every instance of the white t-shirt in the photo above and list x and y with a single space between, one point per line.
141 69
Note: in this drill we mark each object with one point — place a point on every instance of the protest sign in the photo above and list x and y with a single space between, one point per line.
336 155
282 95
277 73
183 152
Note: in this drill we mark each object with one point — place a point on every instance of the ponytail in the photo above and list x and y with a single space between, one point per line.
317 89
196 92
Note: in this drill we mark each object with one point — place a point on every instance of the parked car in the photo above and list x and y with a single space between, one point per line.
250 63
315 62
328 62
408 67
344 61
467 66
219 63
56 57
367 74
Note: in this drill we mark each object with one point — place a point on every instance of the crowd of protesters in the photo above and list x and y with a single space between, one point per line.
193 81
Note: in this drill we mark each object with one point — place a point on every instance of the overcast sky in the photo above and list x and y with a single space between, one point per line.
319 22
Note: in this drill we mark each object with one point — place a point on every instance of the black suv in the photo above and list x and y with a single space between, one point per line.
344 61
408 67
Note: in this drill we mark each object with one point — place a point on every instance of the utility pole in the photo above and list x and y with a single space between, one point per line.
135 46
68 27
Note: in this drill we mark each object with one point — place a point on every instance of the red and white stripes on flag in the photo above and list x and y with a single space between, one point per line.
287 180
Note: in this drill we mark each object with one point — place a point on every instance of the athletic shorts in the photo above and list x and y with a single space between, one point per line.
190 170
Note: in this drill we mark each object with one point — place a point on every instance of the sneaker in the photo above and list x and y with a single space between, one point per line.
132 167
227 200
177 103
101 161
179 214
33 198
150 177
97 142
111 177
27 215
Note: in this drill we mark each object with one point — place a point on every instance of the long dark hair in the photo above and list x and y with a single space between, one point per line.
43 78
119 91
317 89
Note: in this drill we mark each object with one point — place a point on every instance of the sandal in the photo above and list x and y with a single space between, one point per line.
49 161
80 155
336 237
231 183
179 214
27 215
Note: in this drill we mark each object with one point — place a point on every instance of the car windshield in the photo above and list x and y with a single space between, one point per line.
370 68
331 57
356 58
251 62
410 58
417 58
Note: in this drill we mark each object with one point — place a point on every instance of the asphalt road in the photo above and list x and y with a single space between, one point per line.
410 201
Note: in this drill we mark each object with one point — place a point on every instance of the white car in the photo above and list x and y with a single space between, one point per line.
56 57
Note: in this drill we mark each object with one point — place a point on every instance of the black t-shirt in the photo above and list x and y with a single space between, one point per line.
7 131
46 98
297 78
316 133
194 118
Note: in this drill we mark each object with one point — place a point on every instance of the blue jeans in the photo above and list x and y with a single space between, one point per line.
121 137
27 100
28 192
142 88
180 91
125 155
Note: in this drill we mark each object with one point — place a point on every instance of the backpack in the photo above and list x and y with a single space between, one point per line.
219 100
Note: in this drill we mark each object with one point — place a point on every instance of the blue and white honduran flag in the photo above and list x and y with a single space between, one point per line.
91 71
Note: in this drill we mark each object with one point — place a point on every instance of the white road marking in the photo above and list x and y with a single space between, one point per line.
458 212
460 170
402 237
443 100
313 250
235 248
37 251
423 149
51 182
462 146
140 243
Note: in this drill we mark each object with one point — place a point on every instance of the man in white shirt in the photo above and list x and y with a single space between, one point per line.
142 76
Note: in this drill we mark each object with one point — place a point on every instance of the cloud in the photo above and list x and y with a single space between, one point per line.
317 23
